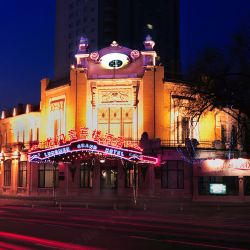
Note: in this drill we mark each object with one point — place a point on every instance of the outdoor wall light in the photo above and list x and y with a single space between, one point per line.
102 160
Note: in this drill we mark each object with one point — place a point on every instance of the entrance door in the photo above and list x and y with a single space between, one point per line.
108 178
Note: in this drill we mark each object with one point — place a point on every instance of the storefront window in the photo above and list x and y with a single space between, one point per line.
22 174
7 173
47 176
218 185
86 175
172 175
247 185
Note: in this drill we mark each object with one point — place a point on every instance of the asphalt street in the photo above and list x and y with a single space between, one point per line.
47 227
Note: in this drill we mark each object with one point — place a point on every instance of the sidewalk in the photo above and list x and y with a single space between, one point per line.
153 204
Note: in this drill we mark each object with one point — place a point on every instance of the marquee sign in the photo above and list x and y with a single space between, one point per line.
91 146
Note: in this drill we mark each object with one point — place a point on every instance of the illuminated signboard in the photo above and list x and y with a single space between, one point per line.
91 146
96 135
217 188
85 145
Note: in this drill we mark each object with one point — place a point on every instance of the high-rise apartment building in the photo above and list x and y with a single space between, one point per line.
128 22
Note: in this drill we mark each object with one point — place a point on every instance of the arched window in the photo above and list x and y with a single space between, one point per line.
22 174
7 173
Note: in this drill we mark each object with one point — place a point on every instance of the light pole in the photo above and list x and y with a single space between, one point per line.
55 165
135 183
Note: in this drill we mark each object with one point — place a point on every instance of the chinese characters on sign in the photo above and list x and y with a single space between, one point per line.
96 135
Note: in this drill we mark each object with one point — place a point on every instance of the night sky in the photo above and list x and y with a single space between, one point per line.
27 47
27 40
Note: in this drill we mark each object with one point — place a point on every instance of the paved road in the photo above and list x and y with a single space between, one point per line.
26 227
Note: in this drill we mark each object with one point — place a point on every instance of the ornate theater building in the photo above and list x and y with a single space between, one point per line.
115 127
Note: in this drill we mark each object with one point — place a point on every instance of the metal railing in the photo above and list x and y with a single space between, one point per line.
175 143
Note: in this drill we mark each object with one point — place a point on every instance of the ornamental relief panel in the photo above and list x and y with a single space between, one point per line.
127 114
103 115
115 96
115 115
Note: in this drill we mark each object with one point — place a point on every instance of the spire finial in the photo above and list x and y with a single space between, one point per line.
83 44
149 43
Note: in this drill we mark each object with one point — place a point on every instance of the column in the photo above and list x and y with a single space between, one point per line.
14 175
96 177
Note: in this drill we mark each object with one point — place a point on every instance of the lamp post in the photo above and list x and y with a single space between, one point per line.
55 165
135 183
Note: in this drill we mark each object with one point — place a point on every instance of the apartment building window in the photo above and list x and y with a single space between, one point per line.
22 174
47 176
7 173
172 175
86 175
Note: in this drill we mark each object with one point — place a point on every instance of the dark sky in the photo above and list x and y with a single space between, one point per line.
27 40
210 23
26 49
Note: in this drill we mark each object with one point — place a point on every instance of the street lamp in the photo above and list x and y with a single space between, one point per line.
55 165
135 182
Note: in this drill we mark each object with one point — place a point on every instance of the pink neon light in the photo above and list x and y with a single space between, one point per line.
143 158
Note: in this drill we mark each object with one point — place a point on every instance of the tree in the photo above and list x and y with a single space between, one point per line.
221 81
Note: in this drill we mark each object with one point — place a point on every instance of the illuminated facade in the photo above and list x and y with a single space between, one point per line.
115 127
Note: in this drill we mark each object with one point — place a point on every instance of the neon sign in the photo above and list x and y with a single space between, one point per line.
85 145
96 135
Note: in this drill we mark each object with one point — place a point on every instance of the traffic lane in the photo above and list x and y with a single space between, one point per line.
152 233
139 223
107 241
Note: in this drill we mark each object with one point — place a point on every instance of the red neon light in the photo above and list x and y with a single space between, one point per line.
83 133
96 135
51 142
120 141
108 139
72 135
